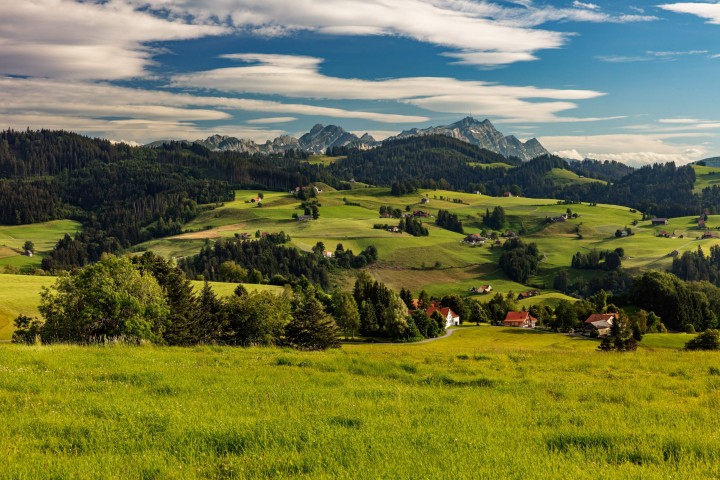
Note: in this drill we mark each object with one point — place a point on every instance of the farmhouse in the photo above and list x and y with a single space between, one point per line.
601 317
520 319
601 327
474 239
328 254
451 318
425 200
528 294
420 213
507 194
709 235
659 221
481 289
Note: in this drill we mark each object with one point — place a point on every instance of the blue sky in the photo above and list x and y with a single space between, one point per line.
634 82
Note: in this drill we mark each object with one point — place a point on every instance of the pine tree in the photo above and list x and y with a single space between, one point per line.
311 328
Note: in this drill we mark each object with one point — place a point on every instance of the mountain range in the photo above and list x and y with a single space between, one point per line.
320 138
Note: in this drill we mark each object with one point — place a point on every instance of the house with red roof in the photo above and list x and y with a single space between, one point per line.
520 319
451 318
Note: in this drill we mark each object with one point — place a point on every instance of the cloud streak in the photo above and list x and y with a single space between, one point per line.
708 11
300 77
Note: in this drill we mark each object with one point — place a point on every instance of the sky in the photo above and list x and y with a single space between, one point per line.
637 82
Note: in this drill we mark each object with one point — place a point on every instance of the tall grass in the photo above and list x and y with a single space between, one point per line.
484 403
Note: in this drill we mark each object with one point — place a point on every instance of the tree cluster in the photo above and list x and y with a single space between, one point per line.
147 299
598 260
496 219
449 221
519 260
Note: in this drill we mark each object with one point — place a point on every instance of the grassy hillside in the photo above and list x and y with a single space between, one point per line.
567 177
440 263
43 235
459 407
706 177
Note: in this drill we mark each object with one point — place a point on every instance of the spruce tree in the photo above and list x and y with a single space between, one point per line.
311 328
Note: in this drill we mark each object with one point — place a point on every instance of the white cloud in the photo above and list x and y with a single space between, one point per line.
589 6
649 56
633 149
300 77
266 121
708 11
68 39
144 115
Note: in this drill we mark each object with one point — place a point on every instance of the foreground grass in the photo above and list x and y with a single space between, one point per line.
483 403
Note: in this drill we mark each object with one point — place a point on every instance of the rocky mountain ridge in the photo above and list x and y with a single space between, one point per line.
321 137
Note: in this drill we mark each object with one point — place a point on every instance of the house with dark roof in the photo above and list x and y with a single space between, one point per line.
659 221
601 317
601 327
520 319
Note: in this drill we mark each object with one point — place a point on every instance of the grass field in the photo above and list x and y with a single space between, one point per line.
43 235
486 402
440 263
705 177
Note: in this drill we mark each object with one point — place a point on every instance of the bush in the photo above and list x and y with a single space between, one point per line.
689 328
708 340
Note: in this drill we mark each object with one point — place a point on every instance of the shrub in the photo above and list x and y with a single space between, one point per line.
708 340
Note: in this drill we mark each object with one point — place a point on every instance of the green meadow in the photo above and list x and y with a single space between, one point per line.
486 402
43 235
441 263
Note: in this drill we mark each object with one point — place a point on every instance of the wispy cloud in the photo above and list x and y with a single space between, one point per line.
708 11
146 114
300 77
589 6
269 121
650 55
89 40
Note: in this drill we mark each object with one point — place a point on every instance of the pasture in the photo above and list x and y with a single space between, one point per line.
441 263
43 235
487 402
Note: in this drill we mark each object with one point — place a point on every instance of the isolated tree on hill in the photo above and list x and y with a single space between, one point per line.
311 328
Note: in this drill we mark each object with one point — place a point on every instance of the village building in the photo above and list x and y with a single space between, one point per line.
481 289
328 254
474 239
601 327
659 221
520 319
507 194
451 318
528 294
425 200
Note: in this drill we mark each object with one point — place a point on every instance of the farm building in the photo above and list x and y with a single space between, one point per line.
451 318
481 289
520 319
601 327
659 221
601 317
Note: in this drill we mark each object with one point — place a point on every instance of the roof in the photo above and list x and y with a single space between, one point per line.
517 316
659 220
599 325
600 317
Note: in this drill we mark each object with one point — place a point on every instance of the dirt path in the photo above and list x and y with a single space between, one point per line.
427 340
